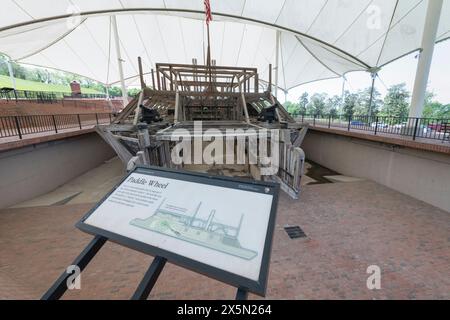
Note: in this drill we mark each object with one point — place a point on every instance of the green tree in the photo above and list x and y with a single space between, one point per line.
47 75
362 106
396 102
40 75
350 103
332 105
292 108
434 109
317 105
3 66
115 92
133 92
303 103
19 71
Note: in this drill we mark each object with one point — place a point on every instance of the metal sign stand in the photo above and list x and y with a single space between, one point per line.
161 256
144 288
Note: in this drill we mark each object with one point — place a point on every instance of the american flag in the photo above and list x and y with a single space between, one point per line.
208 11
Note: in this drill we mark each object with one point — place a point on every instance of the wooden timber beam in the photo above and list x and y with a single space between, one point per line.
175 65
141 73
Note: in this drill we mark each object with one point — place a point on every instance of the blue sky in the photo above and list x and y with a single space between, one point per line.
402 70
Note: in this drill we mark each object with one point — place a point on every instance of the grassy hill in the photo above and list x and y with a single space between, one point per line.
21 84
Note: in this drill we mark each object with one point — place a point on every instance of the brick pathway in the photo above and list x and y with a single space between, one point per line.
349 227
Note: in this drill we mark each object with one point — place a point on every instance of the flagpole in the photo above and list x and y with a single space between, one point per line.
208 57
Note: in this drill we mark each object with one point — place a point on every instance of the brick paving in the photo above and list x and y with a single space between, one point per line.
349 227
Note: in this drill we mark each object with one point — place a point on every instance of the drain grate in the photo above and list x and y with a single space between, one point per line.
295 232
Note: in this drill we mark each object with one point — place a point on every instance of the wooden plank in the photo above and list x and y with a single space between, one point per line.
141 73
177 65
121 151
133 140
153 79
244 105
126 111
269 89
157 77
177 107
138 108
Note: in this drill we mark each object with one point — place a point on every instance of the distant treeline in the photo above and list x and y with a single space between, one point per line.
395 104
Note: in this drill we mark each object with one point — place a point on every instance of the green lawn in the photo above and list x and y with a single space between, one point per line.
5 81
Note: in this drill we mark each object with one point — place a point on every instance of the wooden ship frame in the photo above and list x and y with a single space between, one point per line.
222 98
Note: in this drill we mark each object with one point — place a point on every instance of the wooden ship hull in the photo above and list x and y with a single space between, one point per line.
222 98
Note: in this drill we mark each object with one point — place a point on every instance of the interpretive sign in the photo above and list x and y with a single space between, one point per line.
217 226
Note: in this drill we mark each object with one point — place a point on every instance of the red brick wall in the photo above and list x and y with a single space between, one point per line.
67 106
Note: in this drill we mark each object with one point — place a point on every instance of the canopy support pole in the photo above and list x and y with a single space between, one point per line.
208 57
141 73
373 74
11 74
425 58
277 58
342 94
120 61
107 91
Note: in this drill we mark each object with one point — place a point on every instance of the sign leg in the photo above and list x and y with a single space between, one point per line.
151 276
60 286
241 294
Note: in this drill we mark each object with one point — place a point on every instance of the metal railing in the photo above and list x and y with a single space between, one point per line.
11 126
44 96
414 128
38 96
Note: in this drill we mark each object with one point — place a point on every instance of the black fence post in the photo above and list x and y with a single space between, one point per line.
329 121
110 120
349 122
446 131
16 119
54 123
416 126
96 118
376 126
79 120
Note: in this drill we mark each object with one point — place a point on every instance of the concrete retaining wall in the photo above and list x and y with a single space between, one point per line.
421 174
37 169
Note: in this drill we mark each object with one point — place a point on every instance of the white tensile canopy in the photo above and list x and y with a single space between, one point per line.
318 39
